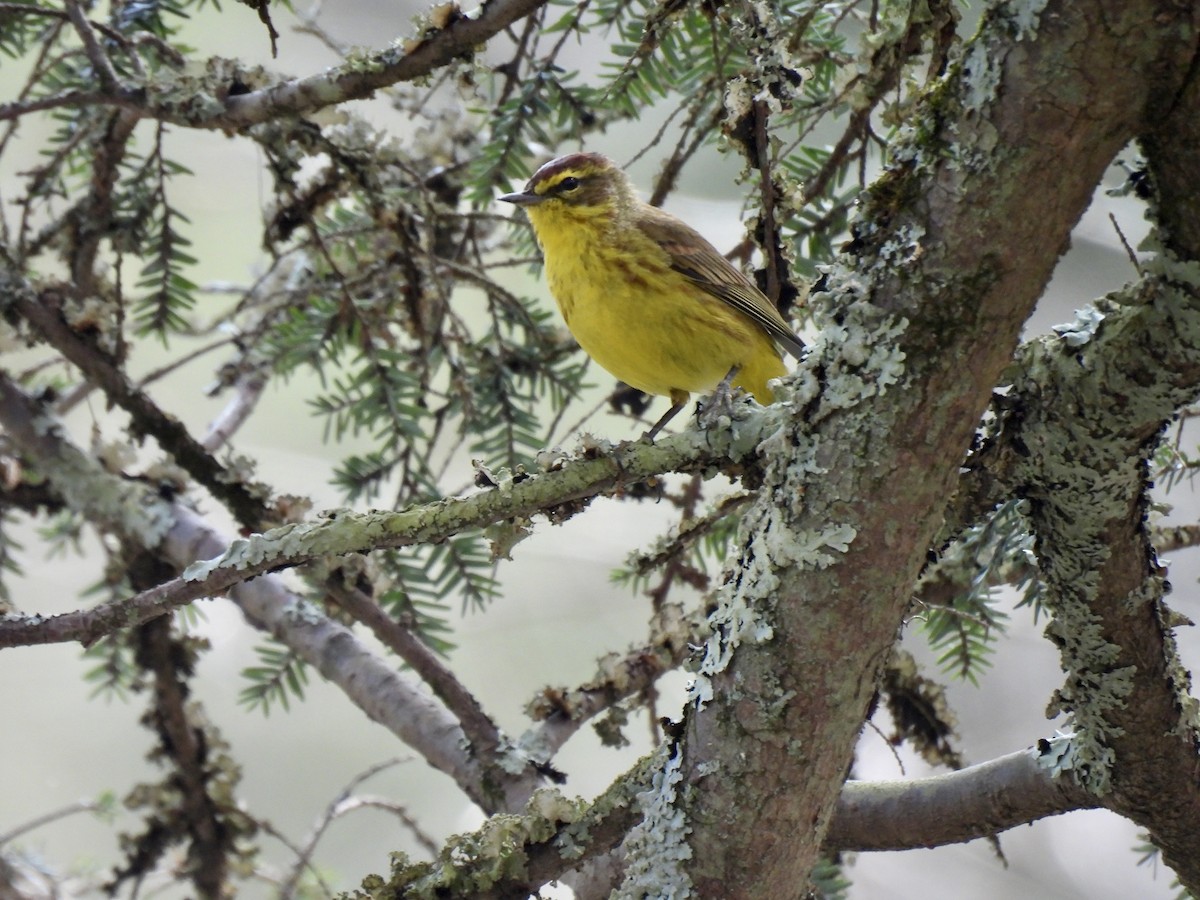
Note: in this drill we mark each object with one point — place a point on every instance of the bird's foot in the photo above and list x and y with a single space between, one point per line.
721 406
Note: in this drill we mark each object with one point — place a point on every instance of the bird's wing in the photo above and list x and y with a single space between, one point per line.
694 257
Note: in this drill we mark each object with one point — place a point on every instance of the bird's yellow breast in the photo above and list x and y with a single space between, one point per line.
647 324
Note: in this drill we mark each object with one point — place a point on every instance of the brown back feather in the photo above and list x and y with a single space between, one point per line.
694 257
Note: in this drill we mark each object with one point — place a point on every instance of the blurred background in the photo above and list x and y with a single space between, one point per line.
558 610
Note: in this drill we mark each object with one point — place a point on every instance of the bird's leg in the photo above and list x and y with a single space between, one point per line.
679 400
720 401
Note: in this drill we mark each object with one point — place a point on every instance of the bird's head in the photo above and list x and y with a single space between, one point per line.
575 188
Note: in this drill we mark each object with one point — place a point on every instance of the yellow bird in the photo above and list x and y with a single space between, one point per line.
646 296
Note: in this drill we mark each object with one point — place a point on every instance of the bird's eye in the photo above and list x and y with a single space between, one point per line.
568 184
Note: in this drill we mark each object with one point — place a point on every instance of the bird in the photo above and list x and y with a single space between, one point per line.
644 294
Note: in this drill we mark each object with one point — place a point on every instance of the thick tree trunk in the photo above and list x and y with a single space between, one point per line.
918 324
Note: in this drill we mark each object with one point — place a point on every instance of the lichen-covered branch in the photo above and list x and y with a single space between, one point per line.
604 469
450 34
1093 402
514 855
1126 691
601 469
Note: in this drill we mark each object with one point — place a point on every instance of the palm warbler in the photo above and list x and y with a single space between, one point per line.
645 295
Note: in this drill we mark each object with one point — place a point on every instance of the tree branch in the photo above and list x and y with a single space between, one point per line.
1116 379
1126 689
975 802
479 728
44 313
63 99
103 67
246 393
439 45
344 803
458 36
185 748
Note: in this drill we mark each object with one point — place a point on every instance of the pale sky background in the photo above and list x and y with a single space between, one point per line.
557 613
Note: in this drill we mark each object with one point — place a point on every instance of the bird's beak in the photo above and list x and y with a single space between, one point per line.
523 198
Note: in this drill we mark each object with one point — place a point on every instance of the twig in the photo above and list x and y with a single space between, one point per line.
684 150
24 9
46 818
246 394
102 65
690 531
350 804
338 807
178 363
587 416
674 567
1137 266
287 885
81 390
563 712
37 68
73 97
870 723
307 24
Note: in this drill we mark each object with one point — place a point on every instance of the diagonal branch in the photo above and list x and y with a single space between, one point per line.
479 728
44 313
105 73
